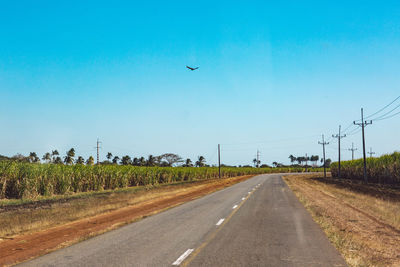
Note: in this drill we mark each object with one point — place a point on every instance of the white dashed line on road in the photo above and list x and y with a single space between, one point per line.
182 257
243 198
220 221
234 207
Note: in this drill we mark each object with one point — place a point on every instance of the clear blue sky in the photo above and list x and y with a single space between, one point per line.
273 76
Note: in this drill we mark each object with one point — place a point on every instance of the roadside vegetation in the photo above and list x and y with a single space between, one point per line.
383 170
29 177
19 180
361 220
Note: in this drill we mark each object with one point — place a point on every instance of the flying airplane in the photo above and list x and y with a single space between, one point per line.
190 68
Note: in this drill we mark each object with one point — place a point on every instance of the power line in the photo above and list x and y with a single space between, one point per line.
391 116
355 131
387 113
383 108
270 141
347 127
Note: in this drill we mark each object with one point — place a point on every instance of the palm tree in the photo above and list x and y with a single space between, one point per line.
109 156
69 159
200 162
47 157
115 160
54 155
33 157
90 161
188 163
150 161
80 160
58 160
142 161
292 159
126 160
275 164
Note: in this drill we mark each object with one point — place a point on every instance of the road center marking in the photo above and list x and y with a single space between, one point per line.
182 257
234 207
243 198
220 221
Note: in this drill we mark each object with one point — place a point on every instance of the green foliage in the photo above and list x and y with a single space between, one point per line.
385 169
28 180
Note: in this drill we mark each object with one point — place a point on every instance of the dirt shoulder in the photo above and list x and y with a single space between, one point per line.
113 211
362 221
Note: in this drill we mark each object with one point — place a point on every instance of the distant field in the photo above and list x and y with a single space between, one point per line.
29 180
383 170
361 220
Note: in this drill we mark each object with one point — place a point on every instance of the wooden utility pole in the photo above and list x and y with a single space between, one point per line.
323 143
352 149
363 124
339 137
219 160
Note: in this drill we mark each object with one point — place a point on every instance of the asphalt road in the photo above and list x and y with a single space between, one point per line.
258 222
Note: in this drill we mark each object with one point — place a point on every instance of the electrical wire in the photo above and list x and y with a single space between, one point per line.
387 113
391 116
356 132
270 141
383 108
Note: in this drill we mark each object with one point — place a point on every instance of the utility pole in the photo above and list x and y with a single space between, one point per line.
363 124
352 149
323 143
258 158
98 147
370 152
338 136
306 162
219 161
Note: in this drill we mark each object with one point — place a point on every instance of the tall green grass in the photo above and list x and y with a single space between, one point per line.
28 180
384 170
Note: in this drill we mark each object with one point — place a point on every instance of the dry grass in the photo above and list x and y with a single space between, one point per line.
362 221
19 217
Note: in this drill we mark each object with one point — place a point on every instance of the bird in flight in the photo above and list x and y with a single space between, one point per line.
190 68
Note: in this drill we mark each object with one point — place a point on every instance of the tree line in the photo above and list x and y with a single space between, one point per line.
70 158
314 159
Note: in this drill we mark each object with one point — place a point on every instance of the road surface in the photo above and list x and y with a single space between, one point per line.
258 222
